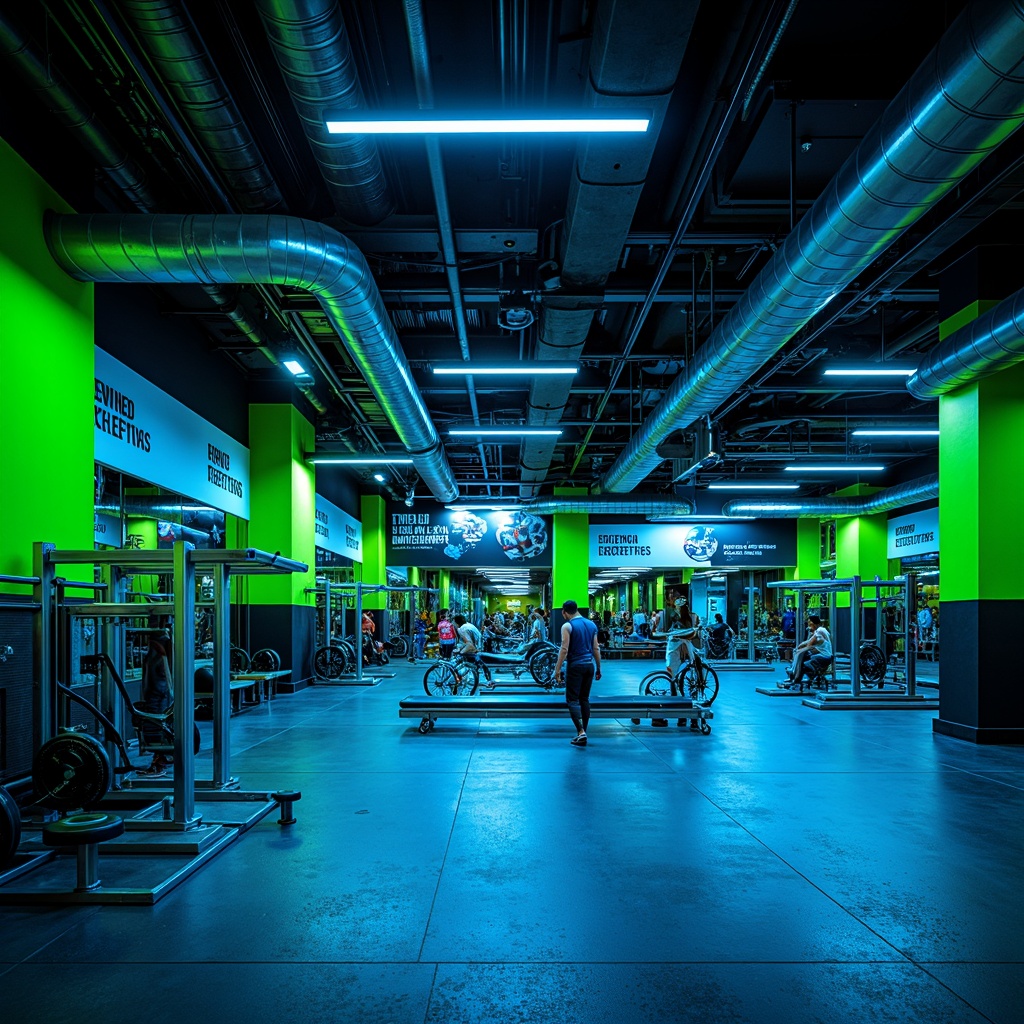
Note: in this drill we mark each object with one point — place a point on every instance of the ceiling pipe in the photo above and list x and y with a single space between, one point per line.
288 251
611 504
910 493
416 30
636 51
165 31
75 115
312 49
963 101
985 346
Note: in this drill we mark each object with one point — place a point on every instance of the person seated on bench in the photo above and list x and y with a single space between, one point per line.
470 640
537 633
814 655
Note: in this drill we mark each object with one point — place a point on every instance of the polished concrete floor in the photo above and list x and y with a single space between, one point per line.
794 866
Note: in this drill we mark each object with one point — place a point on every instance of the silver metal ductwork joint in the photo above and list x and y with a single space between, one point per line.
613 505
255 249
963 101
985 346
910 493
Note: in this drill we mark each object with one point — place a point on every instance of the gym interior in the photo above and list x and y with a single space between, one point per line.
355 351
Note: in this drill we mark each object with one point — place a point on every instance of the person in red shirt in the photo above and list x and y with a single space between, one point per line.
446 636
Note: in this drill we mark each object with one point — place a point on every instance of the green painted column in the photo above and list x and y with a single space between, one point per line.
47 369
444 584
570 559
981 551
282 506
373 514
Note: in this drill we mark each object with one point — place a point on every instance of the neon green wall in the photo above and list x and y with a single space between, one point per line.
981 489
282 499
570 558
444 586
372 513
47 372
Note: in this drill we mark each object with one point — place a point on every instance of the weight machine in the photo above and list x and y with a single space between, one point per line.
159 817
902 697
327 589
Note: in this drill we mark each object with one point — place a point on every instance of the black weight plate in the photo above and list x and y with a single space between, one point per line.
10 827
265 660
71 770
197 738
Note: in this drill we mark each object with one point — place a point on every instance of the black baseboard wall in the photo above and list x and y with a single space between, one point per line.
980 697
290 630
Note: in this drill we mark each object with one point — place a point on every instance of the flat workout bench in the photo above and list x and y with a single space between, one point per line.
429 709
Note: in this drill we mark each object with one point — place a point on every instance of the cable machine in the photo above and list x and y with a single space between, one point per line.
904 695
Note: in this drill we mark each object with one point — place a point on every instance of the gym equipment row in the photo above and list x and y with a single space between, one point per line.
337 661
867 660
85 793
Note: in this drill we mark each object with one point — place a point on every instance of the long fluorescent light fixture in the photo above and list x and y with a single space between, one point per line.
483 508
895 433
504 369
503 432
870 372
752 487
834 469
431 122
359 460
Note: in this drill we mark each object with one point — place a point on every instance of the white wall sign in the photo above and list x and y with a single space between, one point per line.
337 531
913 535
106 529
765 542
141 430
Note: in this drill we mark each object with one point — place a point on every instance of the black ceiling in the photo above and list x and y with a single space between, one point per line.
808 80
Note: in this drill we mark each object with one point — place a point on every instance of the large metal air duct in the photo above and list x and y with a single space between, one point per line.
166 32
611 504
312 50
910 493
635 55
963 101
985 346
174 249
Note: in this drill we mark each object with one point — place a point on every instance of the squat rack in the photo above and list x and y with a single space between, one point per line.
161 822
855 586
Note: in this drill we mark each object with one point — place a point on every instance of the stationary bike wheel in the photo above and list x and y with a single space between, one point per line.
400 646
542 668
329 662
872 666
656 684
440 680
701 686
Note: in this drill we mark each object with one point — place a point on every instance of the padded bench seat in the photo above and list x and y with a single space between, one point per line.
429 709
250 688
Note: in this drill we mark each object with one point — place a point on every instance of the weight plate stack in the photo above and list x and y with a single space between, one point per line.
71 771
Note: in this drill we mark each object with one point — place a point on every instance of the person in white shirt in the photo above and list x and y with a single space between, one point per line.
814 654
640 622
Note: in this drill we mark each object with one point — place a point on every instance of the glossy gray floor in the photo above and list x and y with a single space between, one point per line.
793 866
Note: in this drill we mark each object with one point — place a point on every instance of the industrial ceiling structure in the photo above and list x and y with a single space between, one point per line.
809 175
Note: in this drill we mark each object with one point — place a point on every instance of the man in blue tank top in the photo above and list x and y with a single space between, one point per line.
581 656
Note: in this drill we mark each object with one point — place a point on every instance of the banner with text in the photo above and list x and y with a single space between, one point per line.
141 430
337 531
471 539
749 543
914 535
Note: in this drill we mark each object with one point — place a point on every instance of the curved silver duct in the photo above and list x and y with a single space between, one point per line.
985 346
636 51
312 49
963 101
169 38
613 505
910 493
234 249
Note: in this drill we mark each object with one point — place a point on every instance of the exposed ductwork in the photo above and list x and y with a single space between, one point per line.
610 504
312 50
75 115
166 33
985 346
222 249
945 121
635 55
910 493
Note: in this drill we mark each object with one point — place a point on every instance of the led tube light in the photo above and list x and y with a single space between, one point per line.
503 432
855 372
359 460
834 469
418 124
503 369
895 433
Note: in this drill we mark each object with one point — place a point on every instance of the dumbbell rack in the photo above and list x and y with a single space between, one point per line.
163 825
